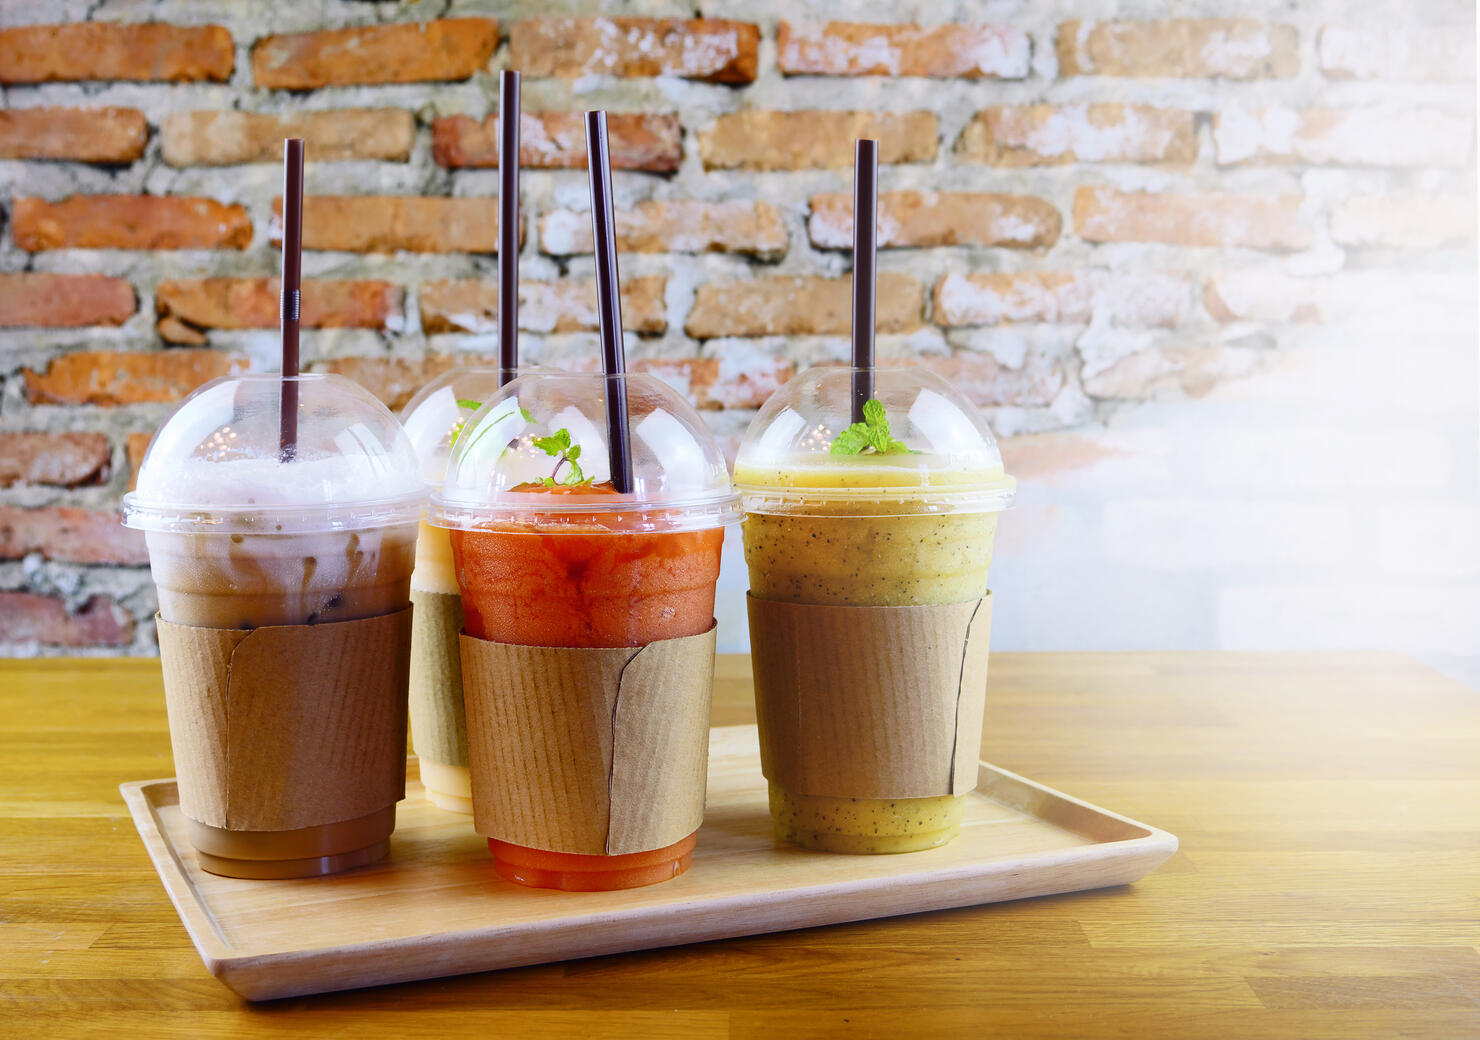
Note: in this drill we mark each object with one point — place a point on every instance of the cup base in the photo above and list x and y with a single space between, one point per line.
865 826
305 852
282 869
537 868
450 802
448 787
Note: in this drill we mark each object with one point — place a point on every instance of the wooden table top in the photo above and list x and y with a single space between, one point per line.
1328 883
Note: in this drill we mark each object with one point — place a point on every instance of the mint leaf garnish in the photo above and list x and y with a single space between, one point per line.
559 447
871 435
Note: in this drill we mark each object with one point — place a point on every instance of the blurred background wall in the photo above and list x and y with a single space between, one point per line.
1208 266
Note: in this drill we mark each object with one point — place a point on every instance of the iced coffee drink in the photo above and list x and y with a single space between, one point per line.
283 588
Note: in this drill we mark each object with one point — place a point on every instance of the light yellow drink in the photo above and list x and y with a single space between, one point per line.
434 418
885 544
864 489
439 734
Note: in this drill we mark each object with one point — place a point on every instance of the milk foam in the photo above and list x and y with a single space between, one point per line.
346 480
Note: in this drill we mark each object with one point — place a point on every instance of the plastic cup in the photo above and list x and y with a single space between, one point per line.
239 539
548 554
434 418
910 526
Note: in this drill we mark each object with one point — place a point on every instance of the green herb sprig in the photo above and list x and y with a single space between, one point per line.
870 436
559 447
474 406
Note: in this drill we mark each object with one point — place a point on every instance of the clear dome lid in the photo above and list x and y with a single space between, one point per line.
920 441
546 432
437 412
215 465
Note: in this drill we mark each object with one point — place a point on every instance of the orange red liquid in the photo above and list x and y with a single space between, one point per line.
569 580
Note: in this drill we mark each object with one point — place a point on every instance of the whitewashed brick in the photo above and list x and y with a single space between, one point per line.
1430 540
1194 535
1355 615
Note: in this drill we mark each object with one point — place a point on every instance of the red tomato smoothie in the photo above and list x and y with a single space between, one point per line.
573 580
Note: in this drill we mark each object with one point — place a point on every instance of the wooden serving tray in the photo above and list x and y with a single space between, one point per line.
436 908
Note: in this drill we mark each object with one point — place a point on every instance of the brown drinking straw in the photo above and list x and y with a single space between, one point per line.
865 251
508 224
609 302
292 297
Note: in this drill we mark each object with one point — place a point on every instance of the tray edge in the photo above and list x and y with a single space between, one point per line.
257 977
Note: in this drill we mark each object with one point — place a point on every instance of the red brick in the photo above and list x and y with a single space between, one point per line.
396 379
677 226
569 305
939 218
134 446
801 306
1050 458
69 536
391 223
1048 135
988 383
557 141
406 52
1260 294
810 139
64 301
1398 51
1403 221
1342 137
1229 48
1410 302
725 381
714 50
129 222
864 49
1192 370
223 138
112 50
1122 299
110 377
29 617
58 459
189 307
1208 219
99 135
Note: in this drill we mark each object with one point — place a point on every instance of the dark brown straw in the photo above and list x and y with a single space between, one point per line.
508 224
609 302
865 282
292 300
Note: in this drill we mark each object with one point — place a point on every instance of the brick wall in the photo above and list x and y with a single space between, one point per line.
1211 276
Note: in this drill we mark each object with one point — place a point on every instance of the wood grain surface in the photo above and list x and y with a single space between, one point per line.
1328 883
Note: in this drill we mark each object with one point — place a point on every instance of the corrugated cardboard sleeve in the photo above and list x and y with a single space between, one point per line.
439 730
288 726
870 702
591 751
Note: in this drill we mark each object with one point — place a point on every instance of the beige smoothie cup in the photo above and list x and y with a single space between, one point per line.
434 419
284 619
868 546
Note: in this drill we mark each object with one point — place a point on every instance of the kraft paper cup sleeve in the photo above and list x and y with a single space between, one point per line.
870 702
589 751
288 726
439 730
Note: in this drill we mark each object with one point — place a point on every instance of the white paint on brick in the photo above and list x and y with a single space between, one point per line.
1359 615
1307 460
1197 535
1356 137
1235 52
1068 130
1430 540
